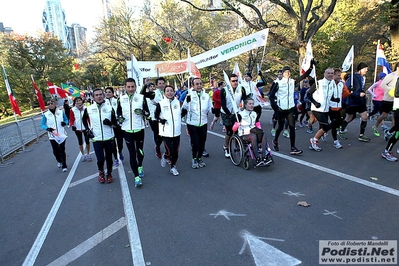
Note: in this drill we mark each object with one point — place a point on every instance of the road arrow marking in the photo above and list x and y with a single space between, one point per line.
265 254
226 214
332 213
296 194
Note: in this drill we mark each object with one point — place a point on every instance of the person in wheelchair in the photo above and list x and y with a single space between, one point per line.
248 132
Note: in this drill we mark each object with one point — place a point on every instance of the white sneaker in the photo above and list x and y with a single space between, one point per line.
163 161
84 158
314 144
59 165
226 152
337 145
88 157
64 170
174 171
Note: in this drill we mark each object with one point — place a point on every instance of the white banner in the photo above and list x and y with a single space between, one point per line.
209 58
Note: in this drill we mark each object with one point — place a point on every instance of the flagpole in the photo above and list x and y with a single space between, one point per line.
376 62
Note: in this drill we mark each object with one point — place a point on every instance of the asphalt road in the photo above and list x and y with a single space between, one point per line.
217 215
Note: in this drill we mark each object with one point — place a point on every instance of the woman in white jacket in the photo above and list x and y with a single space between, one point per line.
168 115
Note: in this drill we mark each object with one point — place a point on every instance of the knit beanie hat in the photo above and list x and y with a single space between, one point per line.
361 66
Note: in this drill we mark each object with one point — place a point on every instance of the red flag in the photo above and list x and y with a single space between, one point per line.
211 80
13 101
38 95
54 89
167 39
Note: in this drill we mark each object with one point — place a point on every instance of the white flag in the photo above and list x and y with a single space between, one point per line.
346 65
237 71
306 61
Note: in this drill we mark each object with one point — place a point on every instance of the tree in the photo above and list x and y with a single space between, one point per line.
291 24
43 57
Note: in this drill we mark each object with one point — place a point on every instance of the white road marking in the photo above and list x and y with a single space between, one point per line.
226 214
265 254
90 243
132 228
355 179
332 213
296 194
37 245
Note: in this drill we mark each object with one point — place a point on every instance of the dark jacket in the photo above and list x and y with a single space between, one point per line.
354 99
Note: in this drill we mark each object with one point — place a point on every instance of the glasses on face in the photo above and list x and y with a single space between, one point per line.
200 83
49 103
234 80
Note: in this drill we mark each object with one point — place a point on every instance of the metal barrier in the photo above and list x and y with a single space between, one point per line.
17 135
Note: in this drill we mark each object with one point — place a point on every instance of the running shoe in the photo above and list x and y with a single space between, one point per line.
88 157
64 170
389 156
201 163
295 151
205 154
342 135
273 131
109 178
141 171
116 163
226 152
194 164
275 145
383 127
286 134
84 158
375 131
309 130
387 134
163 161
101 178
337 144
364 138
315 144
259 161
137 181
300 124
59 165
174 171
324 137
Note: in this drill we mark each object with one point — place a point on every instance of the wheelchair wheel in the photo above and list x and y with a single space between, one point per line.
247 163
236 148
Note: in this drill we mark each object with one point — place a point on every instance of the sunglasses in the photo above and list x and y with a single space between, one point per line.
235 80
50 103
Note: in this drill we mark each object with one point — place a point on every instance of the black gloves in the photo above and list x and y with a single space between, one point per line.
73 128
336 100
188 98
107 122
162 121
121 119
313 62
317 104
49 129
183 112
138 111
89 133
63 124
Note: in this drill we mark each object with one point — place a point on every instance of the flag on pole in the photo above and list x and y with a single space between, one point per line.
71 90
237 71
382 60
230 92
38 95
348 62
54 89
306 61
13 101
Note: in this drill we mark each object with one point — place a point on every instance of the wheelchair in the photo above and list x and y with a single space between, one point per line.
242 153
